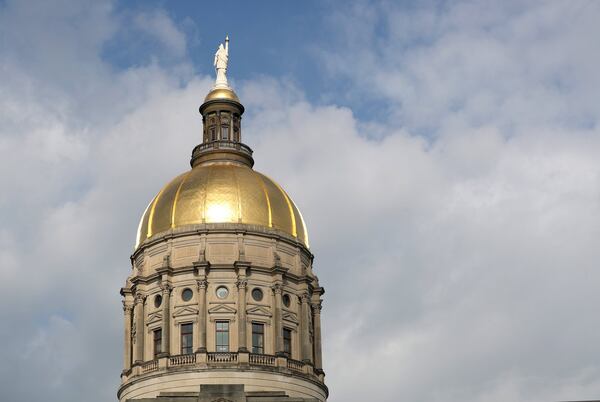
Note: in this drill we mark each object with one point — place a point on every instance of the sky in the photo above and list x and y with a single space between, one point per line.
444 154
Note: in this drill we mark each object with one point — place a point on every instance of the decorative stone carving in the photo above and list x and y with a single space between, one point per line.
127 307
167 261
186 310
166 287
139 298
277 288
133 331
222 308
290 316
259 310
154 317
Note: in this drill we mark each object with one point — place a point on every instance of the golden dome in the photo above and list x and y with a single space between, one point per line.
222 193
222 93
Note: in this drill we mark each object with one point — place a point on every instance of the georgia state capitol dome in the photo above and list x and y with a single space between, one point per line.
222 303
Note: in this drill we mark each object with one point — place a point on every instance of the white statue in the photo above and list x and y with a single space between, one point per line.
220 63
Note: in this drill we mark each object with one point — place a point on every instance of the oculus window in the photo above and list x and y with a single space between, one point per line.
157 301
257 294
187 294
222 292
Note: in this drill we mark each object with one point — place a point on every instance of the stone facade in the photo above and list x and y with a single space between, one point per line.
224 393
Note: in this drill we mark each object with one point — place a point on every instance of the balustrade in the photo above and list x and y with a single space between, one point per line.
222 144
226 358
150 366
222 357
182 360
262 360
295 365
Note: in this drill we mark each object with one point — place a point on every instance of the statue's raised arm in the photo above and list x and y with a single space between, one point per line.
220 63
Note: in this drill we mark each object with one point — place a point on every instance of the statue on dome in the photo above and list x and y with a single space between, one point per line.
220 63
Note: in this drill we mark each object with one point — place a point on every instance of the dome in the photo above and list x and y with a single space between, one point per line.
222 94
222 193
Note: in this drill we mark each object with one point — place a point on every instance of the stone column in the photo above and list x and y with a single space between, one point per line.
277 317
127 310
166 310
201 340
138 351
242 283
305 322
316 308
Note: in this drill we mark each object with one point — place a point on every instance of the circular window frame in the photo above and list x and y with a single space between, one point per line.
259 291
191 293
158 301
226 292
287 300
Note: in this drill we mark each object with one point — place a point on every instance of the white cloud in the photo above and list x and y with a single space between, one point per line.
160 26
458 266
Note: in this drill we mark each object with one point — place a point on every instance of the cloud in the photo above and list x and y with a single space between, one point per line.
456 235
160 26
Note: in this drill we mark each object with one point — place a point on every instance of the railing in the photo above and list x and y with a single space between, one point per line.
221 357
295 365
224 359
262 360
222 144
182 360
147 367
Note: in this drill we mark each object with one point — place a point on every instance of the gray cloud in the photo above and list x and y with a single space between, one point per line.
458 266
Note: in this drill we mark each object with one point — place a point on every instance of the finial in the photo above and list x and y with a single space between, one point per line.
220 63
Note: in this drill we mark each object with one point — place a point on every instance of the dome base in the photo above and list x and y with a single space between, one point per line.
234 377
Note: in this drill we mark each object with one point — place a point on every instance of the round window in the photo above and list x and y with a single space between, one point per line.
222 292
257 294
286 300
187 294
157 301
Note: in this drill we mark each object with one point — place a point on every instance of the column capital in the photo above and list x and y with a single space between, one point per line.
202 284
317 307
165 286
277 288
127 307
241 283
305 297
139 298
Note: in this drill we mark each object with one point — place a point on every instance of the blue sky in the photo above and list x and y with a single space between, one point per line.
269 38
444 156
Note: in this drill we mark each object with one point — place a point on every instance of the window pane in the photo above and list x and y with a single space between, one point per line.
187 339
258 338
222 336
187 294
157 341
287 341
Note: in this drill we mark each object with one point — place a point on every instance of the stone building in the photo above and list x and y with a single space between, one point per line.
222 303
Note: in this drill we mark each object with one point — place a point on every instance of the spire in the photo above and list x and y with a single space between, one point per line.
221 116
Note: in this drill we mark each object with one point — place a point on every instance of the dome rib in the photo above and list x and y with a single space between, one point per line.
289 204
264 189
177 199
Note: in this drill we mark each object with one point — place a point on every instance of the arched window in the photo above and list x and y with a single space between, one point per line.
225 122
